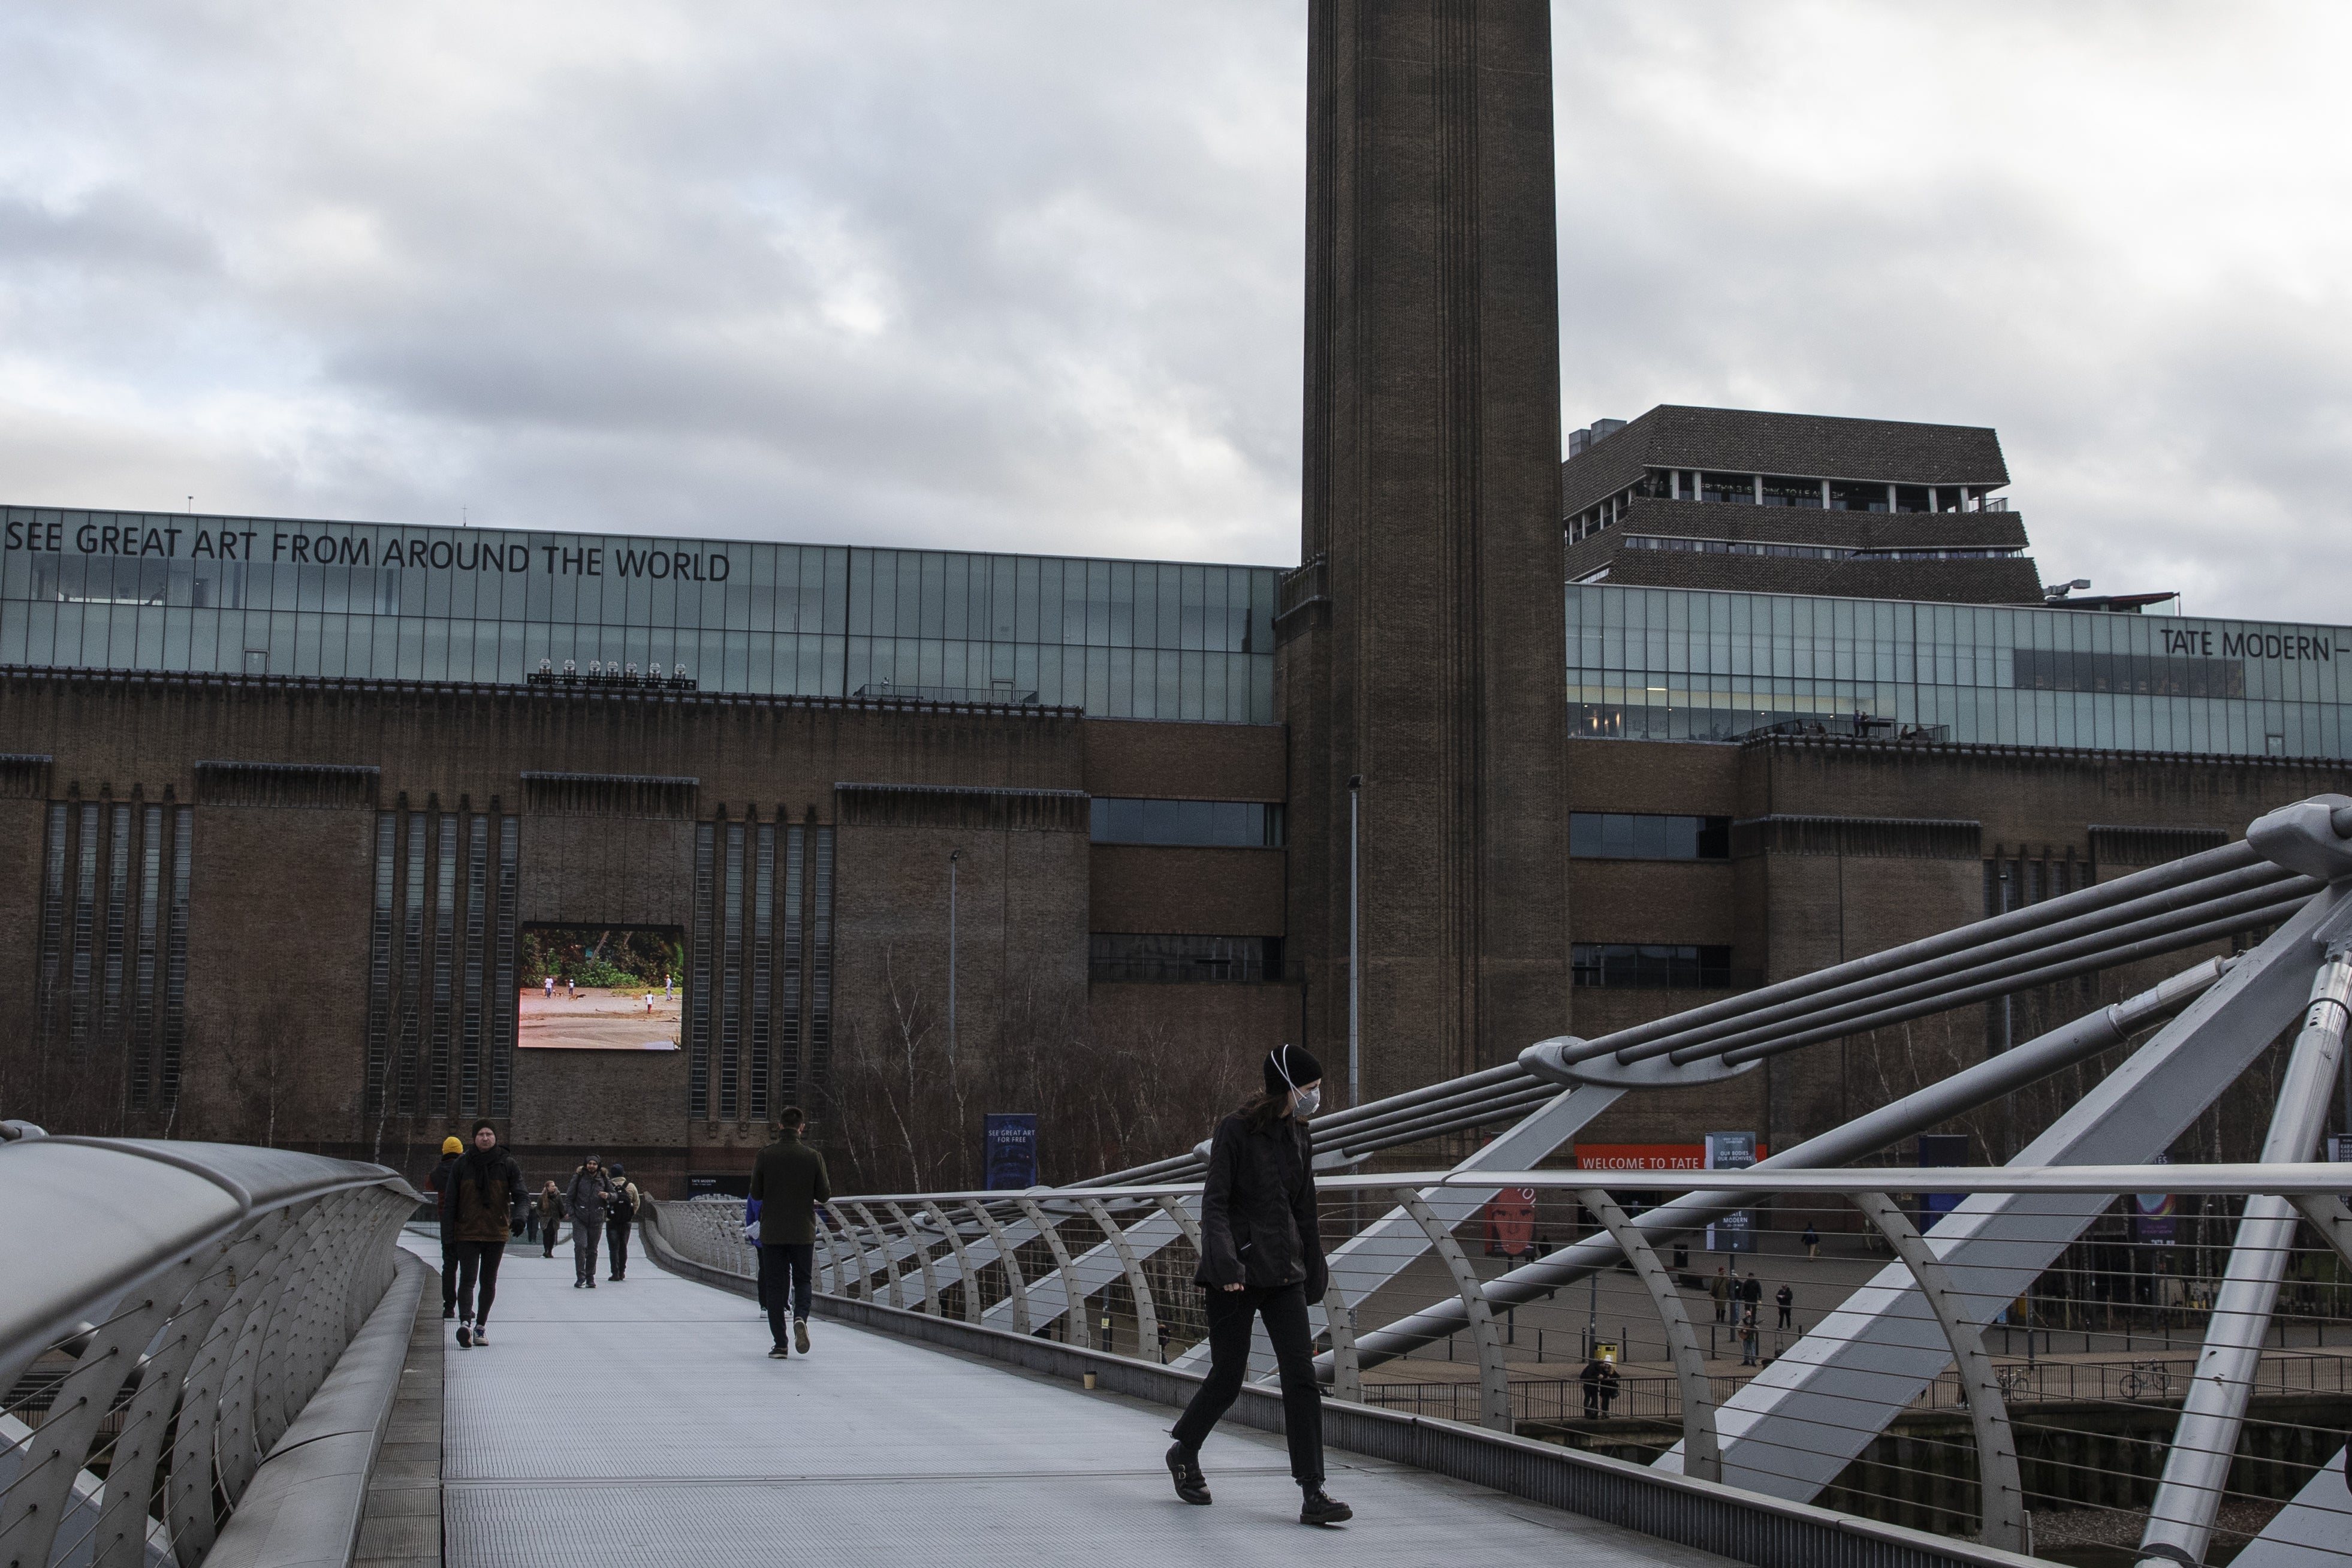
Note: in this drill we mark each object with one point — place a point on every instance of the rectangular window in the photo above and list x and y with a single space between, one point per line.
412 963
1780 490
2134 675
788 1009
176 953
1651 966
53 919
1736 488
819 1071
1173 957
763 955
1628 836
445 939
503 997
477 898
379 1003
1231 824
698 980
731 977
144 976
1848 495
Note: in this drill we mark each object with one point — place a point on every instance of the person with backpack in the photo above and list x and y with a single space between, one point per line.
587 1200
487 1191
1261 1257
443 1200
788 1180
624 1209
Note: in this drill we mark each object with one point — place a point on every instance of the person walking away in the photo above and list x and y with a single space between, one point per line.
550 1216
1261 1257
1608 1388
1591 1378
1720 1289
1751 1293
586 1200
1812 1240
487 1188
616 1221
443 1200
1785 1299
788 1180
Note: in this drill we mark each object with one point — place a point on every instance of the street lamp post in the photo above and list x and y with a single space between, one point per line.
1355 947
952 856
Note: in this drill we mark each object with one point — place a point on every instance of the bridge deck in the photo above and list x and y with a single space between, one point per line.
642 1424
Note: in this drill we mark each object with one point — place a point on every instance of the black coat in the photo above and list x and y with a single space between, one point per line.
1258 1208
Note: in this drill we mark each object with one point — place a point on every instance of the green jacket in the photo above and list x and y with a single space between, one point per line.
788 1180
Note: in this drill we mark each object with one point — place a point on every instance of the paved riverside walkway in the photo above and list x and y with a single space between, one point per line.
643 1423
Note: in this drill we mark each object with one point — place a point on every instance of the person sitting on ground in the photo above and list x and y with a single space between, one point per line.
788 1180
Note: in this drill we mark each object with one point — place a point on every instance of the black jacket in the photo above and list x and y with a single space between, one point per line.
788 1180
445 1195
1257 1209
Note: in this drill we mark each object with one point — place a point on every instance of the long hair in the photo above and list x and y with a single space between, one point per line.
1264 1109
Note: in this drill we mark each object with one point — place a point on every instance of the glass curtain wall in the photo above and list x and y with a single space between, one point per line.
1669 664
1119 639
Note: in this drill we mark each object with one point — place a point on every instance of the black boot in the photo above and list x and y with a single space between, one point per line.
1320 1507
1184 1464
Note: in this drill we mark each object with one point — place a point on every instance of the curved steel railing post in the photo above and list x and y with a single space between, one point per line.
188 1495
2000 1493
1081 1332
922 1256
1494 1381
826 1226
1346 1371
963 1262
881 1245
1702 1451
1005 1251
1146 1317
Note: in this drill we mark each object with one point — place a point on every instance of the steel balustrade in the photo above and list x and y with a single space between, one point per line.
205 1290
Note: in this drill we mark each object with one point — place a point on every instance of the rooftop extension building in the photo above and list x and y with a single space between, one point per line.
1852 507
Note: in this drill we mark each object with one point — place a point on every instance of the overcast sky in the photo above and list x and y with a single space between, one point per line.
1026 276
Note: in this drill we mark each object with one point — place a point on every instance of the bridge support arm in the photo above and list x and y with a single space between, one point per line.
1146 1317
1004 1255
922 1254
1702 1452
2000 1490
1494 1381
1081 1332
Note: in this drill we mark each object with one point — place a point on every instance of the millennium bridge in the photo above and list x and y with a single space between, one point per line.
226 1355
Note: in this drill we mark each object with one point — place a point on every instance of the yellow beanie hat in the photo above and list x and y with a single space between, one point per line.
450 1145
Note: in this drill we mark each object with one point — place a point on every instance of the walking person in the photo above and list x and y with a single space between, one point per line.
1589 1377
586 1200
487 1193
550 1205
1786 1299
1751 1293
442 1201
1720 1289
1261 1257
1608 1387
1812 1240
616 1221
788 1180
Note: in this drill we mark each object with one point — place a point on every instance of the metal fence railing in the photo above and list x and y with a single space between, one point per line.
166 1312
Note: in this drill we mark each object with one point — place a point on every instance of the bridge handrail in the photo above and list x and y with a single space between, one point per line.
202 1288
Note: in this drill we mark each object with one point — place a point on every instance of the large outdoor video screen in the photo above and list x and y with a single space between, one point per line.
602 988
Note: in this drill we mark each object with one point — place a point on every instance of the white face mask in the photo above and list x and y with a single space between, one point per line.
1306 1103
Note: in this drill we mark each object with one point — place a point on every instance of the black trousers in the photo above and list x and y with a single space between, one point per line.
1284 1307
477 1263
616 1245
546 1229
1784 1316
448 1273
784 1274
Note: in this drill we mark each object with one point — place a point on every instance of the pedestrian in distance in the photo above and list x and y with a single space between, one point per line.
550 1205
624 1209
1591 1378
487 1196
1720 1289
1812 1240
1748 1342
1751 1291
1261 1257
550 987
446 1213
788 1180
1785 1299
1609 1381
587 1200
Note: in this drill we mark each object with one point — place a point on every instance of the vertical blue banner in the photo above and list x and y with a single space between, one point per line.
1735 1232
1009 1150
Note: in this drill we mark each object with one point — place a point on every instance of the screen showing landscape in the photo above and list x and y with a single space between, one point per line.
602 988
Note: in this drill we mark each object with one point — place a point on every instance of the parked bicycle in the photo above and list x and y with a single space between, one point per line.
2148 1379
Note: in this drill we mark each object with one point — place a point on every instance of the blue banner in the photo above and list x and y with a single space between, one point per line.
1009 1150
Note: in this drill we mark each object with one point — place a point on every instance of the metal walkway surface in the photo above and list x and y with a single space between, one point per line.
643 1423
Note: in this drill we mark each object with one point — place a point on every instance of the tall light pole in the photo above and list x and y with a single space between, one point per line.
1354 944
952 856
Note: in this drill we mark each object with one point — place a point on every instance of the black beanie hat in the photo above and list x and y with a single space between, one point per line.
1289 1068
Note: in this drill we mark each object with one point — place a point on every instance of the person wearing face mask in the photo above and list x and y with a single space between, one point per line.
587 1201
1261 1257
